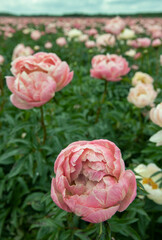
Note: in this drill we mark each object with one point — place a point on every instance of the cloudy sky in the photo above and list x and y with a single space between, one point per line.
57 7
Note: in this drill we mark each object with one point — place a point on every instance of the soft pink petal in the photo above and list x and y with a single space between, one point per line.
19 103
129 185
10 83
57 197
101 215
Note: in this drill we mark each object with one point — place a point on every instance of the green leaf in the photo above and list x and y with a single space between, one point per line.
17 168
8 157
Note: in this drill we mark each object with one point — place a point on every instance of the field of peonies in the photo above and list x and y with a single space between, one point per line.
80 128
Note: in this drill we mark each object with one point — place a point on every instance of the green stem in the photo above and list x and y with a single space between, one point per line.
43 124
1 82
100 233
102 101
108 230
105 231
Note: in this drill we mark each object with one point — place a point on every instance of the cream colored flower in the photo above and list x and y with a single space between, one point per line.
130 53
141 77
74 34
83 38
149 183
142 95
156 115
157 138
127 34
36 47
105 40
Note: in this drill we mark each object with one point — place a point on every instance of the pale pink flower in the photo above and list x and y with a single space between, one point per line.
36 79
61 41
115 25
83 38
91 180
156 115
90 44
142 95
105 40
140 42
157 34
156 42
91 32
1 59
135 67
109 67
48 45
20 50
137 55
35 35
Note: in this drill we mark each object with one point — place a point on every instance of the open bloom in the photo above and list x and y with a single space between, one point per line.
150 183
157 138
140 42
105 40
74 34
127 34
20 50
115 25
142 95
156 115
130 53
61 41
156 42
90 44
48 45
91 180
141 77
36 79
109 67
35 35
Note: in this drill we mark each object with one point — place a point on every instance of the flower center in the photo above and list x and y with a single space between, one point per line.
150 182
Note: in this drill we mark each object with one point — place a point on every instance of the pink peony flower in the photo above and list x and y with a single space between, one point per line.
115 25
90 44
83 38
1 59
109 67
91 32
61 41
105 40
35 35
137 55
48 45
140 42
91 180
156 42
20 50
36 79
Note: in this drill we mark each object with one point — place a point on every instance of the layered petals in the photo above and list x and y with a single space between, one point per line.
91 180
109 67
36 79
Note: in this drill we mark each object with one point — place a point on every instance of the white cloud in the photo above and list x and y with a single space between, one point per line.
57 7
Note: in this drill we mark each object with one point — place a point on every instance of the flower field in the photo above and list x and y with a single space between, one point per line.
80 128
